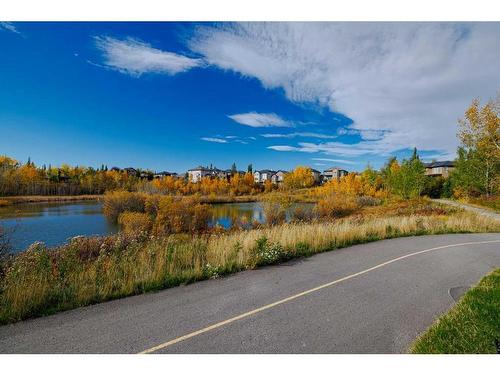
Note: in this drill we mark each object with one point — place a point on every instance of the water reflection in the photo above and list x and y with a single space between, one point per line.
55 223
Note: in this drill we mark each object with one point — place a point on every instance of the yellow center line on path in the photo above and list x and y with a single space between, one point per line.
295 296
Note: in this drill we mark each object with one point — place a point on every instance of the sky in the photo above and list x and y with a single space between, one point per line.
172 96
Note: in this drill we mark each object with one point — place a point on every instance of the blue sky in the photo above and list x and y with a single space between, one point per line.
170 96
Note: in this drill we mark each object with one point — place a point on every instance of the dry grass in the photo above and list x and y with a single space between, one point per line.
89 270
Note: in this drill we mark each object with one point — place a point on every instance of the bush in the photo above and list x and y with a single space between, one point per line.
266 252
366 200
5 250
135 223
433 186
275 206
336 206
183 215
116 202
302 214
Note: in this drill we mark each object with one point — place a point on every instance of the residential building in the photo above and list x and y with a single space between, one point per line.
278 177
334 173
132 171
316 175
196 174
439 168
263 175
165 174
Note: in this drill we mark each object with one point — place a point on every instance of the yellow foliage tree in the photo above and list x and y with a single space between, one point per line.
300 177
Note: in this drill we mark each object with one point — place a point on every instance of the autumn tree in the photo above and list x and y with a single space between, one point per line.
300 177
478 164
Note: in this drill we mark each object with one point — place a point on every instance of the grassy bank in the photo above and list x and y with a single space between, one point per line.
90 270
471 326
46 198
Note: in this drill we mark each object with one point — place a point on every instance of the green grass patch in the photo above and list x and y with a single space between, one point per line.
471 326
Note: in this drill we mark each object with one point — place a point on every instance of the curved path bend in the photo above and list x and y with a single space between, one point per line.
469 207
371 298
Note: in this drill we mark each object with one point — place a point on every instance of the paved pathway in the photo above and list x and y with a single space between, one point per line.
468 207
371 298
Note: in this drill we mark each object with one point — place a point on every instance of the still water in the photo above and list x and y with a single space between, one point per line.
55 223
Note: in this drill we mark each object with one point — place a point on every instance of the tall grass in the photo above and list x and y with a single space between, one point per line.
89 270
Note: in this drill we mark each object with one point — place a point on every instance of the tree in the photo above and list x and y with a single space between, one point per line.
250 168
478 164
406 180
300 177
234 170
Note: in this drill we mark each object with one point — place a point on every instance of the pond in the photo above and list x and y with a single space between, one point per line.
55 223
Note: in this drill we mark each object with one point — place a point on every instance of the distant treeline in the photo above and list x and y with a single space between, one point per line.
28 179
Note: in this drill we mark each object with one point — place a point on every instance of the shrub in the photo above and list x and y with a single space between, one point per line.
366 200
274 212
152 204
135 223
182 215
119 201
266 252
275 206
301 213
5 250
433 187
337 205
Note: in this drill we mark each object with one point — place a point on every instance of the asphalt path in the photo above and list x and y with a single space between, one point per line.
371 298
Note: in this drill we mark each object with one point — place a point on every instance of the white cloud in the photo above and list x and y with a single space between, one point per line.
9 26
212 139
283 148
335 160
134 57
304 134
403 84
259 120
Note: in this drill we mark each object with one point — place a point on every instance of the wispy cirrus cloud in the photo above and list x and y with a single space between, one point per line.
260 120
228 139
213 139
402 84
299 134
363 148
343 161
135 57
9 26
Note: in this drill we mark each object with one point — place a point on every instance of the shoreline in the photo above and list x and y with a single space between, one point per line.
50 198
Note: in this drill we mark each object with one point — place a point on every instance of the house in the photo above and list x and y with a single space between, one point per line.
278 177
196 174
334 173
132 171
164 174
262 176
316 175
439 168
